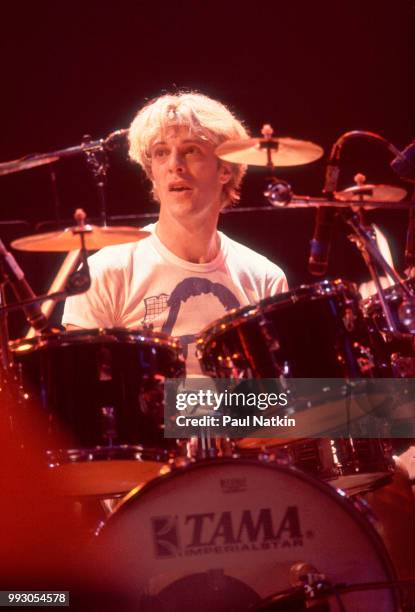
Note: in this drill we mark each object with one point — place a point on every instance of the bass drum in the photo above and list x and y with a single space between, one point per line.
227 534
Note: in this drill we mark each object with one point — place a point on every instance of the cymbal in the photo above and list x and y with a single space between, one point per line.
25 164
68 239
282 151
369 193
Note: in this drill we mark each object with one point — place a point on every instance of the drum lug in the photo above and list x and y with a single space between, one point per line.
269 334
349 318
402 367
108 424
365 358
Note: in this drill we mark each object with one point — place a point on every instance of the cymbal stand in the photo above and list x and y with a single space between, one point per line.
78 281
97 161
278 192
5 355
364 237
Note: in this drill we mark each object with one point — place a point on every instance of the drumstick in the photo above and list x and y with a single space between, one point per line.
58 284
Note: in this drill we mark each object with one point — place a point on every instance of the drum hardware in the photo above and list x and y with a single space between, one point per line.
34 160
410 236
279 193
365 240
332 169
204 446
5 354
269 151
69 265
404 163
95 152
26 163
77 282
304 201
402 309
364 236
314 595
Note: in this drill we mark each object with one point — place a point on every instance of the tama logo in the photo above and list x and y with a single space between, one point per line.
225 532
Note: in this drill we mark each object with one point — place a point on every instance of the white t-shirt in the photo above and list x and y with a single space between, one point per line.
368 288
142 283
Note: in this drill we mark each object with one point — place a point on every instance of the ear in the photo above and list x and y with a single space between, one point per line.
225 172
154 191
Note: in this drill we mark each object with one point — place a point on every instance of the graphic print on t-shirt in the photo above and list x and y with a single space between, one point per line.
187 288
154 305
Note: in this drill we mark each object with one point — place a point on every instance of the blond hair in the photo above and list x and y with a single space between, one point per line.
206 119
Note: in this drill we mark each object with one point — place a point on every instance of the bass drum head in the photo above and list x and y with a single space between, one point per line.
224 535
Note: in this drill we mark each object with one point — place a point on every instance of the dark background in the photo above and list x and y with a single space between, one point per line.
312 69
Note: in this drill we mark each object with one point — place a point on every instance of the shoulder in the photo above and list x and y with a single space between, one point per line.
251 259
120 256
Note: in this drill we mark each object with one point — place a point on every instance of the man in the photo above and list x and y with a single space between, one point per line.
186 274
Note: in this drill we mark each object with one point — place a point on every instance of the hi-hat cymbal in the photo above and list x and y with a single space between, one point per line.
369 193
260 151
68 239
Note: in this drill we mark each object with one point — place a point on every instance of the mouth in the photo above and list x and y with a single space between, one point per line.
179 187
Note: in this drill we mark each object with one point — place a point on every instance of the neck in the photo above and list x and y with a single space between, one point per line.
197 244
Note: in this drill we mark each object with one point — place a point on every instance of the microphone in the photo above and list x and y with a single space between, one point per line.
22 290
323 227
321 242
410 236
404 163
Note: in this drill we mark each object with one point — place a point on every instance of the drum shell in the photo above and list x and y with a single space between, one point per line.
314 331
99 387
151 536
355 465
394 296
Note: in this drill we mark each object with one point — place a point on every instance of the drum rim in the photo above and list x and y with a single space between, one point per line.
372 303
100 335
235 317
88 455
337 495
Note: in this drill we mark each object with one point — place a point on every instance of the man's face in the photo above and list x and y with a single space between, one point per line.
187 176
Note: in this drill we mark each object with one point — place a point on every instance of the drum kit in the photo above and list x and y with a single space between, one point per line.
255 523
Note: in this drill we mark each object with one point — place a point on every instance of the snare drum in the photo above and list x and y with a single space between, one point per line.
101 395
225 535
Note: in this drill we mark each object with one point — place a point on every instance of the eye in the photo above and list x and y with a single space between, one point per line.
159 152
192 150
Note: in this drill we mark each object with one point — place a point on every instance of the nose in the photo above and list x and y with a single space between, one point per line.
176 161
